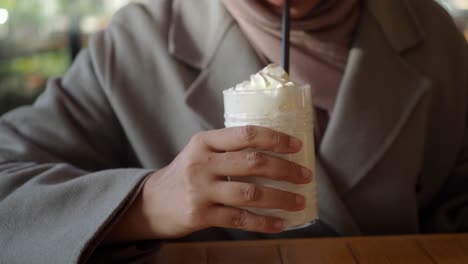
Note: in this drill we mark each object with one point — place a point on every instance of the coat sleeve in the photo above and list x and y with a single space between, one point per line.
449 211
65 166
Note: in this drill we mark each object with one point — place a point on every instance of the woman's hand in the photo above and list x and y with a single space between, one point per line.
192 193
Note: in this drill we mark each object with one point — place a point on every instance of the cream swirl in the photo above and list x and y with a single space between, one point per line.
268 94
271 77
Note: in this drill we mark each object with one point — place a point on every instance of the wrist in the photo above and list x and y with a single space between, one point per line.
131 225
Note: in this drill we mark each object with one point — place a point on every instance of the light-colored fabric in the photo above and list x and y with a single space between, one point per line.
393 159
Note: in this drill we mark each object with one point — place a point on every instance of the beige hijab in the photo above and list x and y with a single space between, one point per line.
320 44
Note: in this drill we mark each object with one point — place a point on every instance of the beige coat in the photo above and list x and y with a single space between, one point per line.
392 161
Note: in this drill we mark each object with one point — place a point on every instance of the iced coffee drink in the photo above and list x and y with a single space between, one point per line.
270 99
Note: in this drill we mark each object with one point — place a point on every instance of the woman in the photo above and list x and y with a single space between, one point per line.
114 151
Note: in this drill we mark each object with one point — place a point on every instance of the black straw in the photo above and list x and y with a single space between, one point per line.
286 33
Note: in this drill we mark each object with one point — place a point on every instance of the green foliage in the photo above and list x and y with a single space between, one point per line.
82 7
23 78
23 71
23 11
46 64
8 4
34 13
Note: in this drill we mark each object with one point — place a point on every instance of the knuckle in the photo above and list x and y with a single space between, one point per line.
240 219
276 137
261 223
195 163
229 156
191 187
192 167
255 159
191 178
250 193
197 139
247 133
210 158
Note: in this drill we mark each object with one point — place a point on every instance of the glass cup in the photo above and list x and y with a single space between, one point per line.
288 110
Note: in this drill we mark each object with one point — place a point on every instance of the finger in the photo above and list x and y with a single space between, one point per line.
241 194
228 217
259 164
240 138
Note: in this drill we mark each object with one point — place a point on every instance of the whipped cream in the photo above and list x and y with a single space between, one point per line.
267 94
271 77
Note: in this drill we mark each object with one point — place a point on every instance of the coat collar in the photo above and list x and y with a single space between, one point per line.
195 36
378 94
398 22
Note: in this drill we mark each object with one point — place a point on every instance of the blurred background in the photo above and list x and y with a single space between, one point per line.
40 38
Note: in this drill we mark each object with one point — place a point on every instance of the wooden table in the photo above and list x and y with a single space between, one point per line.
432 249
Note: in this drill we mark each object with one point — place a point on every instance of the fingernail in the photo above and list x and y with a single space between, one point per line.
306 174
295 143
279 224
300 200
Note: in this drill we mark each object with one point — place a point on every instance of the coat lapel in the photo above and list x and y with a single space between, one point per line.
332 209
213 44
378 93
205 95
